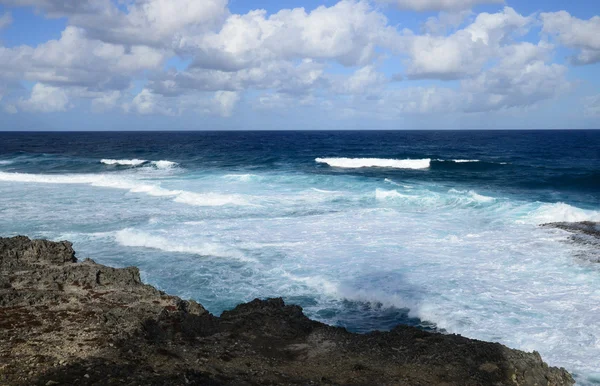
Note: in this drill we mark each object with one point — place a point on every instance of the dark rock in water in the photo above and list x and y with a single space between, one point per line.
585 234
584 227
69 323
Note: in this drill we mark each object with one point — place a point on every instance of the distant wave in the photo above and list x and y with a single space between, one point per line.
132 185
429 199
6 162
466 164
163 164
134 238
354 163
124 162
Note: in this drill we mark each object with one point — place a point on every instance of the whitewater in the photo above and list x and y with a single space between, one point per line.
364 241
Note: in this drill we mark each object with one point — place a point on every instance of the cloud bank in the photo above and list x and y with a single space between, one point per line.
173 57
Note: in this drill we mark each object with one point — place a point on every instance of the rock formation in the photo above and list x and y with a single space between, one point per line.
64 322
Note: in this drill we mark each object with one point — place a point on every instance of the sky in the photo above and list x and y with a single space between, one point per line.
299 65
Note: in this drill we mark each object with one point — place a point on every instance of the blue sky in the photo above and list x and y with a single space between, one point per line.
264 64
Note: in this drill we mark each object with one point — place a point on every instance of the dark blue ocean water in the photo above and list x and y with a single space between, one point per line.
438 229
549 165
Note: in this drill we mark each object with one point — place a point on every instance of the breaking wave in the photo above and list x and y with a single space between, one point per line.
124 162
561 212
134 186
133 238
163 164
354 163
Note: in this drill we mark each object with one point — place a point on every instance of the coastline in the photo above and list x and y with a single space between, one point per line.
68 322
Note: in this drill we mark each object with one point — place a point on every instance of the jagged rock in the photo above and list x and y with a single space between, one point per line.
69 323
585 234
583 227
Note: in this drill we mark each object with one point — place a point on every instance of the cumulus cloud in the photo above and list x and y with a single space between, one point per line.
438 5
365 80
105 101
148 103
464 52
345 58
583 35
45 99
348 32
76 60
225 102
148 22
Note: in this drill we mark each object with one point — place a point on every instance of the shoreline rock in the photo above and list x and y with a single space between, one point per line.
585 234
64 322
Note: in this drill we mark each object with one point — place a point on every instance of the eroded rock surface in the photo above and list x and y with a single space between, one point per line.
585 234
64 322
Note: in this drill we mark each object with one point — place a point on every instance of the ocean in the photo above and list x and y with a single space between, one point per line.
365 230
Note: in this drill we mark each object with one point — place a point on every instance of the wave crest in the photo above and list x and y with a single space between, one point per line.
162 164
561 212
133 238
123 162
354 163
132 185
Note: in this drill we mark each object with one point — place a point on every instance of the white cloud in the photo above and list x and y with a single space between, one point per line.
444 21
45 99
438 5
290 58
225 102
146 22
148 103
105 101
76 60
348 32
5 20
572 32
364 81
464 52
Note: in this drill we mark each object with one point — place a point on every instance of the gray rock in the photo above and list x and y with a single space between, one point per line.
85 323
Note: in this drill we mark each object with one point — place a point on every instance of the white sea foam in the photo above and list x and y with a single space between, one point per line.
430 199
559 212
318 282
134 186
210 199
325 191
124 162
353 163
472 194
164 164
381 194
241 177
461 161
135 238
471 263
6 162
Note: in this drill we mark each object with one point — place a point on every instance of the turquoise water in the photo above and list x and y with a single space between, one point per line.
363 229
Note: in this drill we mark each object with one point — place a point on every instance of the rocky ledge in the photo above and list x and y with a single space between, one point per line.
586 234
64 322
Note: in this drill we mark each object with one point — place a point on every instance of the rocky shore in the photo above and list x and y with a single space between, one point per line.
585 234
64 322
